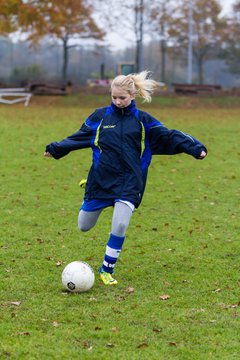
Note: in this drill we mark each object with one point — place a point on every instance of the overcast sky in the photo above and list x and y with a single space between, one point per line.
226 4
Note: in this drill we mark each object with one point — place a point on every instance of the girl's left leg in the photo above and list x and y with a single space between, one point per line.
121 216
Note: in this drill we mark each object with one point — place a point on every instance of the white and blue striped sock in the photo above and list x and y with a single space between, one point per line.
113 249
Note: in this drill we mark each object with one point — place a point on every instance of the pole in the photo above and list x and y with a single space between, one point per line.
190 11
141 37
139 34
163 42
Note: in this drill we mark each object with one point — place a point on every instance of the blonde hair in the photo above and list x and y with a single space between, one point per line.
137 84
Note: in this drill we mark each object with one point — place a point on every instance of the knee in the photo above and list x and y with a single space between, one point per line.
120 228
82 227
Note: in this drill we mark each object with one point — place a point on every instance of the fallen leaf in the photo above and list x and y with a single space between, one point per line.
89 258
171 343
55 323
157 330
142 345
164 297
230 306
87 345
15 303
130 290
24 333
217 290
120 298
114 329
109 345
58 263
117 311
7 353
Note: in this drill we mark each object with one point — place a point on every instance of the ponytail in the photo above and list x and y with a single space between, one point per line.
137 84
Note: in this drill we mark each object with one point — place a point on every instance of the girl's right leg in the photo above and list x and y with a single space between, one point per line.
88 219
121 216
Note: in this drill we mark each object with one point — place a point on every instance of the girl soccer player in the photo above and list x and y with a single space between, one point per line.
123 140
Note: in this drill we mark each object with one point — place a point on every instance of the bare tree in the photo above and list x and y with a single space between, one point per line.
126 19
161 15
231 47
208 30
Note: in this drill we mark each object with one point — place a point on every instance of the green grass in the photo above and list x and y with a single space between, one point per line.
183 241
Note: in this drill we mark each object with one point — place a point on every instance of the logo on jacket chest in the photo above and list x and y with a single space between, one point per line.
108 126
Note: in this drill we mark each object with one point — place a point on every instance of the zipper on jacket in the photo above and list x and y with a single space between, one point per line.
123 174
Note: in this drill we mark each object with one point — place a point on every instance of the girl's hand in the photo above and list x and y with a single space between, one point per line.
202 155
47 154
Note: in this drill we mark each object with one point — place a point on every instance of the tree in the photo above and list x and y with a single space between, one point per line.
126 20
64 20
8 13
161 13
231 48
208 30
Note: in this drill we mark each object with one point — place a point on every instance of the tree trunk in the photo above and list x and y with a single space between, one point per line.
65 61
139 35
163 52
163 41
200 70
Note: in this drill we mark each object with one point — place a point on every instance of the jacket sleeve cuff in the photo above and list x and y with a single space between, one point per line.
52 149
197 151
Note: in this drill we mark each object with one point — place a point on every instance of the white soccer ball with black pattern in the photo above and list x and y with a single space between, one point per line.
78 277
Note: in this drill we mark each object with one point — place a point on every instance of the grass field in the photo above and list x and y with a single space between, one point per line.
182 243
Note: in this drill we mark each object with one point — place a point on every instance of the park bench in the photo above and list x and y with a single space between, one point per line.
41 88
188 89
14 95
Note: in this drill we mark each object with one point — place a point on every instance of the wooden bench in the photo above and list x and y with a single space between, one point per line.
188 89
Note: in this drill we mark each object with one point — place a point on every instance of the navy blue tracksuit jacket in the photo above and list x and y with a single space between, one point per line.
123 141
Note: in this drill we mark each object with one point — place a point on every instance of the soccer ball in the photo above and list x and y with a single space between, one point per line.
78 276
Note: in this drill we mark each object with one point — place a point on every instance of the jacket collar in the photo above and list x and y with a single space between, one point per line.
124 111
